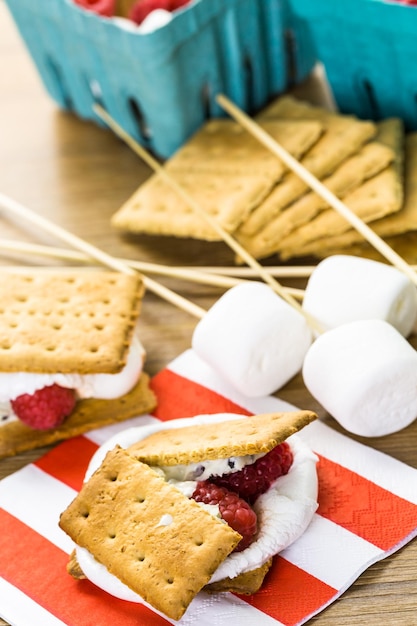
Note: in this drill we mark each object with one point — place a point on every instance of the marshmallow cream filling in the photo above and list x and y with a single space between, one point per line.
103 386
284 511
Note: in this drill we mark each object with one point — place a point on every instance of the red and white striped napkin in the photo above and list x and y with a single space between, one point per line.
367 510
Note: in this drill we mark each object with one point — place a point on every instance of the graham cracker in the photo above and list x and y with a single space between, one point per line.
343 136
223 169
74 568
402 221
191 444
88 414
290 107
67 321
157 209
120 517
379 196
246 583
405 245
366 163
222 145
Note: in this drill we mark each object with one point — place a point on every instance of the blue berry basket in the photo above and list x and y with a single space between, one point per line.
161 86
369 51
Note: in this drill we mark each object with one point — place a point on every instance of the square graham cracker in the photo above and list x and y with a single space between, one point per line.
250 435
392 227
161 544
224 170
67 321
343 136
380 196
304 215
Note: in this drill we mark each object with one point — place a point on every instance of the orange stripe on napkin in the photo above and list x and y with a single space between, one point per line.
362 507
37 567
180 397
68 462
289 594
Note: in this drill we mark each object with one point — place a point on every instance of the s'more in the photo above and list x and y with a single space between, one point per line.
195 504
70 360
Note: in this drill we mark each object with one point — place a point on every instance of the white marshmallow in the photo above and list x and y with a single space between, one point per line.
255 339
345 288
365 375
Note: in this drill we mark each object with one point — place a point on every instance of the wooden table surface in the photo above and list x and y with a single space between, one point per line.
78 174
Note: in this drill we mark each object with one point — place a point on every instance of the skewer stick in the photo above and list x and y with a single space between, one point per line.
279 271
227 238
11 206
317 186
190 274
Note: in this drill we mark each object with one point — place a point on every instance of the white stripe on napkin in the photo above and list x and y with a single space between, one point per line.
37 499
18 609
318 552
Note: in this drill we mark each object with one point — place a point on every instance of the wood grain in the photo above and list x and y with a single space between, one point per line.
78 175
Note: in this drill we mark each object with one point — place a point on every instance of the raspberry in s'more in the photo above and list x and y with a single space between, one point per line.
197 504
70 360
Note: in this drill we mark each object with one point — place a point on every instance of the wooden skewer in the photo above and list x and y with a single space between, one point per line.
279 271
13 207
189 274
189 200
379 244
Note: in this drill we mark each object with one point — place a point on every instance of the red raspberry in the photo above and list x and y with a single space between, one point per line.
46 408
102 7
253 480
178 4
142 8
235 511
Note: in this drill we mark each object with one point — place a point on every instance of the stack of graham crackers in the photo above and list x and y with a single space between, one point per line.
268 209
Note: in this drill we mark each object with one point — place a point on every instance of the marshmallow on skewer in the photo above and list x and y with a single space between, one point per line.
345 288
255 339
365 375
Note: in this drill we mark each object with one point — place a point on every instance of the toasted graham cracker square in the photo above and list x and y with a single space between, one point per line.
343 136
290 107
381 195
249 435
157 209
222 145
246 583
67 321
405 245
161 544
392 225
223 169
300 217
16 437
281 230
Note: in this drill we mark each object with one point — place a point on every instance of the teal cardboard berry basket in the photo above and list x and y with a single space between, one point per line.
369 51
160 87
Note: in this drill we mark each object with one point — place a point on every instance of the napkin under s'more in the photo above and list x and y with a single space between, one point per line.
120 514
